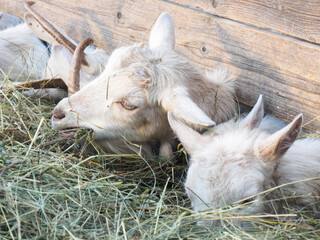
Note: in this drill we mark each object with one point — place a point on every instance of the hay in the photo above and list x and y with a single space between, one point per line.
50 190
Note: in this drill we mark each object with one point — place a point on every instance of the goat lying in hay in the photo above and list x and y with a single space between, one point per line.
236 163
25 37
128 102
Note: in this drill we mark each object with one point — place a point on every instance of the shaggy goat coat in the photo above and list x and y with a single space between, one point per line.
235 164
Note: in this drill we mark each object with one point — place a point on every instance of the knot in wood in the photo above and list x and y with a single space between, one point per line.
214 3
203 49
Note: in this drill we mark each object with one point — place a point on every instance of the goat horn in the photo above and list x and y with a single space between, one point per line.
57 35
44 83
78 57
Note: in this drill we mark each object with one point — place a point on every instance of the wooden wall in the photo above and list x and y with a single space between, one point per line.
272 46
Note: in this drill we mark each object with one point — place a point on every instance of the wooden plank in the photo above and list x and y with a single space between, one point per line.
285 70
298 18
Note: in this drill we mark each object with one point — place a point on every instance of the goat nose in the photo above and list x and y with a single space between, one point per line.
58 115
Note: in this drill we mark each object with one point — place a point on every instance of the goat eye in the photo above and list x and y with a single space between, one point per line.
127 105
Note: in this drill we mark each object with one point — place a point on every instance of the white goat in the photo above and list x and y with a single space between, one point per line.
235 164
24 38
130 99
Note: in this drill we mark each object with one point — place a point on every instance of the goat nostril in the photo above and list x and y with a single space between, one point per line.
58 116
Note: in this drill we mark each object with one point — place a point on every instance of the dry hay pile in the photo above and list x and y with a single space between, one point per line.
50 190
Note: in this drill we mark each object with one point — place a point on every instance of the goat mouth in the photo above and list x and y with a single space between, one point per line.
68 132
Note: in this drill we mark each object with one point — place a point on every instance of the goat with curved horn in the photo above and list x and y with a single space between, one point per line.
63 48
51 64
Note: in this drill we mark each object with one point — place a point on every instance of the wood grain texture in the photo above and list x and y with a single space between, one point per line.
284 69
298 18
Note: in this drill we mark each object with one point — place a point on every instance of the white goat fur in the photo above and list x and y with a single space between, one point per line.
237 163
22 53
149 80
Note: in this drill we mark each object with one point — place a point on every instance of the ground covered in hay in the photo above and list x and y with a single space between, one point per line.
49 189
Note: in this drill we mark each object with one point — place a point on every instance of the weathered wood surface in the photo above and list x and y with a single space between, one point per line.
299 18
284 69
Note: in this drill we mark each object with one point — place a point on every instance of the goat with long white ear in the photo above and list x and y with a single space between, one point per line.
236 164
128 102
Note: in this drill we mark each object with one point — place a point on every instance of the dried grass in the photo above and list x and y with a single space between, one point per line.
50 190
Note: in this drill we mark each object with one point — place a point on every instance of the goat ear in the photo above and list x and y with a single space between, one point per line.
190 138
278 143
59 63
38 29
182 106
162 33
253 119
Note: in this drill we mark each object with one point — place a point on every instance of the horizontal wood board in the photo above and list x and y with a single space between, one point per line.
298 18
284 69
